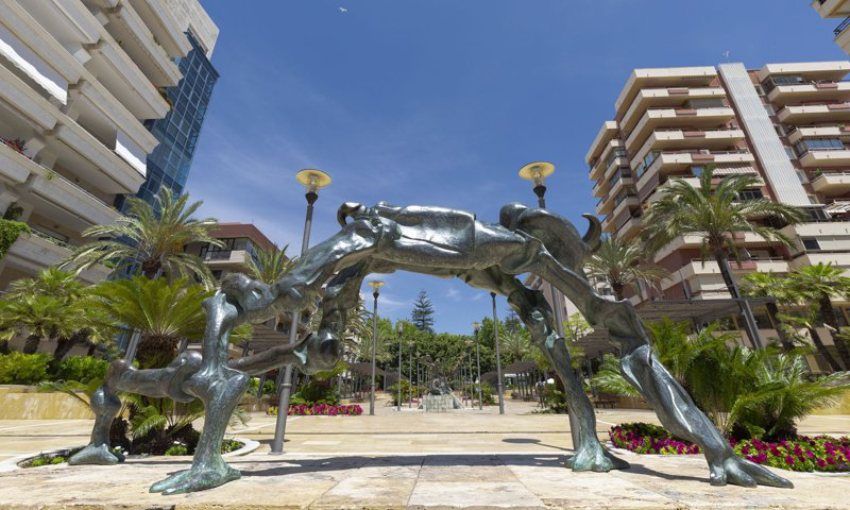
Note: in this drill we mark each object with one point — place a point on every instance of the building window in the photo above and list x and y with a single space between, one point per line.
750 194
811 244
819 144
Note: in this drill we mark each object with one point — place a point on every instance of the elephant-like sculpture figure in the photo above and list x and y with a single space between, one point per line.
431 240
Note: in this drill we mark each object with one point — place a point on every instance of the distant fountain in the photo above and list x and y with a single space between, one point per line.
440 397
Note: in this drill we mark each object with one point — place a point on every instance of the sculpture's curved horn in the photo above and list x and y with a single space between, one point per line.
593 237
345 211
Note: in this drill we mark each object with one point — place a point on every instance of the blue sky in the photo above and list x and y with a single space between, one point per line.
442 101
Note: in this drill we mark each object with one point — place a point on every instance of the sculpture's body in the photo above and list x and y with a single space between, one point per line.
430 240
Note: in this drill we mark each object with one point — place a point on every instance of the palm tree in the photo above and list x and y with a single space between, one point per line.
717 213
769 285
164 312
152 238
515 344
621 264
37 316
63 286
818 283
270 266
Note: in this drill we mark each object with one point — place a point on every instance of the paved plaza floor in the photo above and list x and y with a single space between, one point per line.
466 459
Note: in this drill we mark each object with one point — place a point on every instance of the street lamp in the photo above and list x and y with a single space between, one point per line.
376 291
399 328
537 172
499 386
477 327
313 180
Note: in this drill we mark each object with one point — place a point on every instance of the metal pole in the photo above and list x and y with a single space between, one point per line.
283 400
478 364
410 379
374 345
398 397
499 386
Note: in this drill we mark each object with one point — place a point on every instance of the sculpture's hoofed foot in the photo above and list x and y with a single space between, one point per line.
196 479
738 471
594 457
95 455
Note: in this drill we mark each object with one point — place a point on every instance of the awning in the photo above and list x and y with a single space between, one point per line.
735 170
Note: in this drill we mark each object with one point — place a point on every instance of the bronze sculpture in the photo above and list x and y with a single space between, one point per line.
430 240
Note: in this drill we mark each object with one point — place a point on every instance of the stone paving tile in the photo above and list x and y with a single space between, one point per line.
473 494
367 492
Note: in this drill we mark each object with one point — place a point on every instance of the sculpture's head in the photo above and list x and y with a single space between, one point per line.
247 294
510 213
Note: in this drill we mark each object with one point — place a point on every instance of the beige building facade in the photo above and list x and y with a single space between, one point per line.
786 124
78 78
839 10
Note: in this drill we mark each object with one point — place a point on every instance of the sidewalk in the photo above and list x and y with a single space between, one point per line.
467 459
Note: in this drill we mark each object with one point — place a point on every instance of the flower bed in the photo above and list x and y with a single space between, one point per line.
820 453
321 410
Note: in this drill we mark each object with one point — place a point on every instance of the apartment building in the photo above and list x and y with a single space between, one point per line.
78 80
241 242
786 124
178 132
838 9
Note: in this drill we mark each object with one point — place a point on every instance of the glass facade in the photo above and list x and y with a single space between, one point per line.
168 165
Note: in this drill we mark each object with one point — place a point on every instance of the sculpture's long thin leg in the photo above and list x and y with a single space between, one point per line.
121 376
220 388
537 316
671 402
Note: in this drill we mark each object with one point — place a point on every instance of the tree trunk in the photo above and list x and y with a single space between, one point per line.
827 314
773 315
4 347
63 347
833 364
746 313
31 344
156 351
618 289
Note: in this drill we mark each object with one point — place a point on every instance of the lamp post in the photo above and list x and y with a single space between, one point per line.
477 327
537 172
410 377
313 180
499 386
376 291
399 328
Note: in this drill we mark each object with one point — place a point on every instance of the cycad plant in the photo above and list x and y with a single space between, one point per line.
152 238
716 212
769 285
270 265
37 317
818 284
623 264
164 312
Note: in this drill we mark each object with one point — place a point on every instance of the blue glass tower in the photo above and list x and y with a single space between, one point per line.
168 165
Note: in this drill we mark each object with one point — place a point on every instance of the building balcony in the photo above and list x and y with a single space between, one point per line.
628 230
68 21
818 229
95 162
692 118
832 183
813 71
66 203
698 267
622 204
825 158
130 31
608 160
672 97
811 113
822 131
607 133
660 190
621 183
227 259
122 77
842 35
20 100
695 241
15 168
832 8
663 77
678 139
838 259
819 91
166 29
666 162
33 252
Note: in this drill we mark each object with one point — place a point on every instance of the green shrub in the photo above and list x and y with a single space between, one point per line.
9 232
19 368
315 392
81 368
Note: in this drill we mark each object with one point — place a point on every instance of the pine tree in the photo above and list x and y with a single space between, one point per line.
423 313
